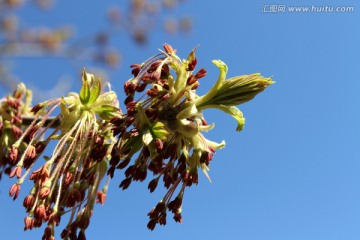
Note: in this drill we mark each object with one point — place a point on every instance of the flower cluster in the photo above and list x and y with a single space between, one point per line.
13 109
70 178
163 132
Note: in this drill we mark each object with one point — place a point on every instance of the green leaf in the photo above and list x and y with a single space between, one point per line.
106 112
158 131
105 108
63 108
241 89
201 101
85 92
95 92
235 113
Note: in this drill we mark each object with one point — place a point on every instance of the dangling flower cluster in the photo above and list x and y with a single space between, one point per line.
163 132
12 110
70 178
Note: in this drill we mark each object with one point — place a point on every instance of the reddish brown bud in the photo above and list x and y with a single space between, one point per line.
165 97
191 80
14 103
153 92
68 178
47 233
65 232
16 131
40 213
16 119
101 197
162 219
44 192
159 145
81 236
39 147
153 213
16 172
165 71
111 171
14 191
125 183
54 218
29 201
151 224
145 78
155 76
178 217
140 87
36 108
192 65
123 163
201 73
129 87
160 207
140 173
206 157
14 154
115 159
175 205
128 99
153 184
32 133
195 86
135 69
29 223
30 152
40 175
154 66
168 49
203 122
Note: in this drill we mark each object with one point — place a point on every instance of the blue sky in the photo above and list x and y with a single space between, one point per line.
292 173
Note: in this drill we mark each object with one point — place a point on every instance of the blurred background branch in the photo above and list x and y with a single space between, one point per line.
21 39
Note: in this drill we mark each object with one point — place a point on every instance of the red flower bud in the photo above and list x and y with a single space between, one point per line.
201 73
40 213
168 49
151 224
135 69
14 191
16 172
30 152
101 197
36 108
16 131
54 218
44 192
125 183
29 201
14 153
153 184
81 236
178 217
159 145
29 223
192 65
191 80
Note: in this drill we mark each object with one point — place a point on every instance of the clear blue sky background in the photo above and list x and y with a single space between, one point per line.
293 173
